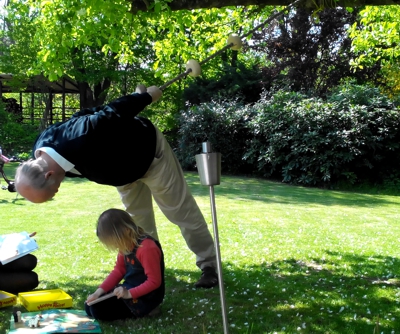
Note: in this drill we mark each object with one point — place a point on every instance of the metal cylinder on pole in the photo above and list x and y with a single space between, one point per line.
209 168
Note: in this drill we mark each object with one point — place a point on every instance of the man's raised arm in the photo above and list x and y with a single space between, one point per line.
131 104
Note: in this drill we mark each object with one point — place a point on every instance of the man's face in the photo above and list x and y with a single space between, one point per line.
38 195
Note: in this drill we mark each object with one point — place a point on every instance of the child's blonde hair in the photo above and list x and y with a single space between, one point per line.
117 231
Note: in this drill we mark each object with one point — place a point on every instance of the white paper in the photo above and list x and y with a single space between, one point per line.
15 245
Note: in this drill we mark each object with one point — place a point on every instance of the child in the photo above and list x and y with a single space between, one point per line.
17 276
140 262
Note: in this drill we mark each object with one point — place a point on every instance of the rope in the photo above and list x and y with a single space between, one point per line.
271 18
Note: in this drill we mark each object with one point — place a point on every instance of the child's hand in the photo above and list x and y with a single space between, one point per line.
122 292
95 295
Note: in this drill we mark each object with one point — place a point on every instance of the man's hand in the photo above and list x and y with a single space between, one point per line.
141 89
153 91
122 292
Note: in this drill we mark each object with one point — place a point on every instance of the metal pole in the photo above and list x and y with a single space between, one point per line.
209 167
219 261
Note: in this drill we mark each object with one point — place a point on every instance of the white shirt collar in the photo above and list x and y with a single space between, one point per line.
64 163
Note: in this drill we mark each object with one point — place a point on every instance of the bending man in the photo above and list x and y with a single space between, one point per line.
79 147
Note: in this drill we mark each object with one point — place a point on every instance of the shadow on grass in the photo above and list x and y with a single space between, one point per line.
237 188
75 180
17 200
345 294
342 293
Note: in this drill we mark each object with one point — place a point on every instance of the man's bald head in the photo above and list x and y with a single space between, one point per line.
36 182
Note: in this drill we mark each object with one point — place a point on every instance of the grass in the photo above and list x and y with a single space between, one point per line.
295 260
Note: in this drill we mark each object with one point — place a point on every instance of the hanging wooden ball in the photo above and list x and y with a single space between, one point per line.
194 66
236 41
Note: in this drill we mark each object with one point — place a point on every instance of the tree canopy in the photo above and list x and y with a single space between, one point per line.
108 47
97 43
376 38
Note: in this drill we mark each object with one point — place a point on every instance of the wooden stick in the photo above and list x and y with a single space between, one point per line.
109 295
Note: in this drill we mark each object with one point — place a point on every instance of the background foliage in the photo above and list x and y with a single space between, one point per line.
311 53
352 137
375 36
221 123
15 137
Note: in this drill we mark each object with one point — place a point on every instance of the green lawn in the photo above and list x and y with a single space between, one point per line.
295 260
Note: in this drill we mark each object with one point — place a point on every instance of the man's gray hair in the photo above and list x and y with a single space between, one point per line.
33 172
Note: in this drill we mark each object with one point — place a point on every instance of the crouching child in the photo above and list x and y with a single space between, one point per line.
140 265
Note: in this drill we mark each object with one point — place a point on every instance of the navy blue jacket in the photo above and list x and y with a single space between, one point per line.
108 144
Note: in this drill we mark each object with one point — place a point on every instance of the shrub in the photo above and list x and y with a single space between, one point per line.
15 137
221 123
353 137
352 94
312 142
240 81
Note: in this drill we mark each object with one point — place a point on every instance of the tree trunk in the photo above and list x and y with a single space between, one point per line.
85 95
89 98
92 95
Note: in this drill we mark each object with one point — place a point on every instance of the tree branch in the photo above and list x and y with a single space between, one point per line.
144 5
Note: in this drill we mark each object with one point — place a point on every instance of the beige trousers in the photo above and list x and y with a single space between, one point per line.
166 182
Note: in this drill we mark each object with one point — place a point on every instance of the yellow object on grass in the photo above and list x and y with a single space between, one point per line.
7 299
39 300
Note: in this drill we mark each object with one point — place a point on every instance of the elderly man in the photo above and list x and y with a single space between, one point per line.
79 147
